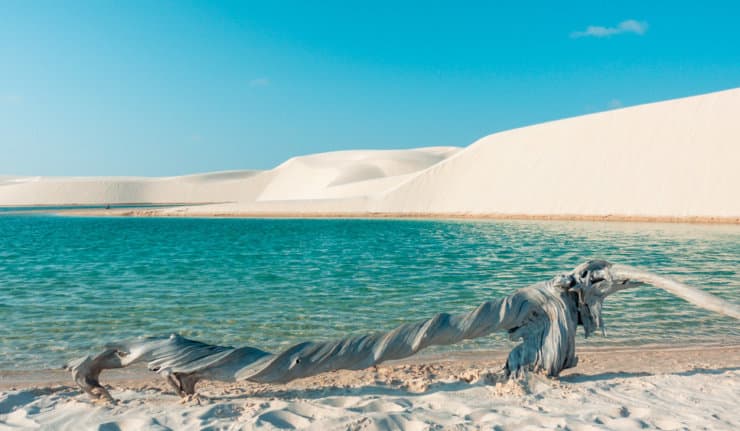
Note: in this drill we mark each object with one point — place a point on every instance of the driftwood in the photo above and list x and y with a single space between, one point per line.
543 316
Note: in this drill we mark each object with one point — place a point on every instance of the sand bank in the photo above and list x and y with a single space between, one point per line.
658 387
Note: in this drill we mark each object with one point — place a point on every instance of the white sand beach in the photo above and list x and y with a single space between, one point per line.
668 388
672 161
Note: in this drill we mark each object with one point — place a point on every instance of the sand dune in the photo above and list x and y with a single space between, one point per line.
326 176
214 187
344 174
669 160
677 158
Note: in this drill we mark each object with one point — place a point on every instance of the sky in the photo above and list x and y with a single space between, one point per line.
159 88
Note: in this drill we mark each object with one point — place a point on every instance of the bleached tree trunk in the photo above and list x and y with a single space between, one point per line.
543 316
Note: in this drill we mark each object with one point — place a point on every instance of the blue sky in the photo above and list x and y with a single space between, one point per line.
175 87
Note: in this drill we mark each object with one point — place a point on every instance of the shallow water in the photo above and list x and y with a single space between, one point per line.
70 284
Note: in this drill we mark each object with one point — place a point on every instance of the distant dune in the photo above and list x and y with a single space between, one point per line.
339 175
678 159
214 187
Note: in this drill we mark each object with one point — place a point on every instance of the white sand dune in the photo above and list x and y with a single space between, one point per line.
675 388
212 187
327 176
347 174
669 160
678 158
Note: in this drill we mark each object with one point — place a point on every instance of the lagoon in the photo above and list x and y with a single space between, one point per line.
68 285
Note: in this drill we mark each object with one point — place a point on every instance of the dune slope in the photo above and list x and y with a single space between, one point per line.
677 158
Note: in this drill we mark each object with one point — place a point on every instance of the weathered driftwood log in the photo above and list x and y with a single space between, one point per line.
543 316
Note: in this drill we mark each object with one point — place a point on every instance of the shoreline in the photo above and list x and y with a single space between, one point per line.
160 211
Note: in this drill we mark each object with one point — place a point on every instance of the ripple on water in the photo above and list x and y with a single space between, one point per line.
69 285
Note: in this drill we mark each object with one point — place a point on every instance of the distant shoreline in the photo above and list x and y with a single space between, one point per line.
159 212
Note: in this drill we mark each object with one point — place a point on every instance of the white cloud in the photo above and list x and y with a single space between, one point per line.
628 26
259 82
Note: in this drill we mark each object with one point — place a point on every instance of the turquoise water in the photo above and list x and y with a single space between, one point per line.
70 284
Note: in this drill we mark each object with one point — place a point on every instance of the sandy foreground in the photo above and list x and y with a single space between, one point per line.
653 387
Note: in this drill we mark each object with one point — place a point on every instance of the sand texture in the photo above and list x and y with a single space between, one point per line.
669 161
648 388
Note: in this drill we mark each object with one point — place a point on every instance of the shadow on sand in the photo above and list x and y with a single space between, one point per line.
583 378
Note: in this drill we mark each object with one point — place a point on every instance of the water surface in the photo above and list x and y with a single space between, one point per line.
70 284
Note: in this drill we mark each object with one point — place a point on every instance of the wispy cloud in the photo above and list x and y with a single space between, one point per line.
259 82
628 26
614 104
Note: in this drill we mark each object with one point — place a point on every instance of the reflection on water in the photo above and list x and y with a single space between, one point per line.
68 285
